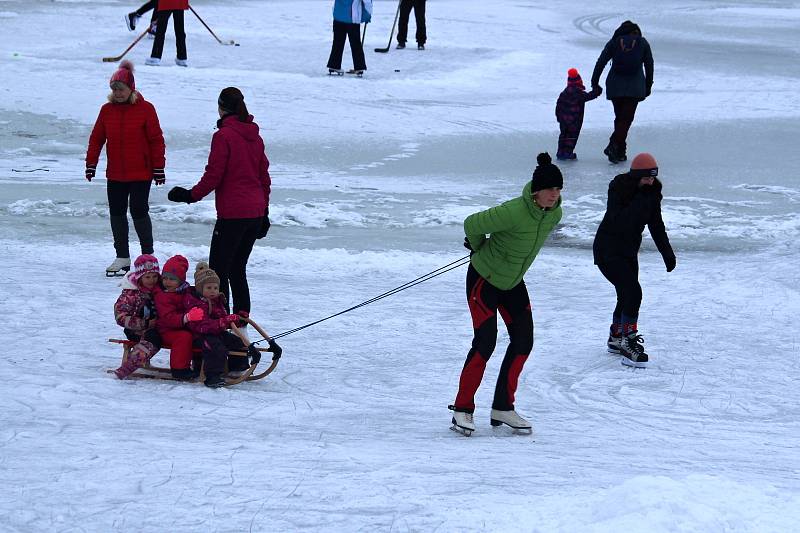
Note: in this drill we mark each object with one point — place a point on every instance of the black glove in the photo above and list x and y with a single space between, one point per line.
179 194
255 355
670 261
158 176
262 232
90 171
275 349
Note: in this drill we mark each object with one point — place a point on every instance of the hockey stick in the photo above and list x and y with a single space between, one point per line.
134 43
364 34
396 16
211 31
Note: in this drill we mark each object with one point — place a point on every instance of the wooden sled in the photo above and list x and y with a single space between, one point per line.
149 371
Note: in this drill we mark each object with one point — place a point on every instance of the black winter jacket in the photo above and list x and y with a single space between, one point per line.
636 84
630 208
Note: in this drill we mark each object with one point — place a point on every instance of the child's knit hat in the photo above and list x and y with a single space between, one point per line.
176 265
203 275
143 264
573 78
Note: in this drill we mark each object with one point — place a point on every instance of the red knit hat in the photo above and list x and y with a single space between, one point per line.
124 74
573 78
176 265
144 264
644 165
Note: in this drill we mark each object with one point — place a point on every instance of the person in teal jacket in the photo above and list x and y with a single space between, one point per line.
516 231
348 15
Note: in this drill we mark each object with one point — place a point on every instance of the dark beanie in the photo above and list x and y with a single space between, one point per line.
546 175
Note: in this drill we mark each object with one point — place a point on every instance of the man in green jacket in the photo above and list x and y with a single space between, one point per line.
516 232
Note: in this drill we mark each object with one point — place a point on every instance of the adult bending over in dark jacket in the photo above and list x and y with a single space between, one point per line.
238 173
634 201
627 82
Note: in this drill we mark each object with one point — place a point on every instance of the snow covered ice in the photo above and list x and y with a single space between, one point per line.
372 179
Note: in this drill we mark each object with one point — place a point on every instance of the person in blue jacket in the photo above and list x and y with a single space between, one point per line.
347 18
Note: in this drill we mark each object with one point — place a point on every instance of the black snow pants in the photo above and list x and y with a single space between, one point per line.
419 17
484 302
214 350
341 32
161 31
231 244
624 112
568 138
138 193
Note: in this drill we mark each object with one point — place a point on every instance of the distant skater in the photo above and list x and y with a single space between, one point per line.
634 201
167 9
629 82
419 17
132 18
569 113
348 15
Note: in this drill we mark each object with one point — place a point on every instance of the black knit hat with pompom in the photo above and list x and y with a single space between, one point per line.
546 175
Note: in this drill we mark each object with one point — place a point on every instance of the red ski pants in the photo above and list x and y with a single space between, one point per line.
514 306
180 343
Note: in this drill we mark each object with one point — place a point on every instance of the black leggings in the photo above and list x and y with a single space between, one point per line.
231 244
419 17
624 112
161 31
342 31
623 273
484 302
138 193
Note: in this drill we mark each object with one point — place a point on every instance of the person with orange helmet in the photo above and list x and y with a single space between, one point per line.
634 201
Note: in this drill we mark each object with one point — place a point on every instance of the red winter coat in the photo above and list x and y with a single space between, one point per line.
172 5
237 170
133 139
214 310
169 306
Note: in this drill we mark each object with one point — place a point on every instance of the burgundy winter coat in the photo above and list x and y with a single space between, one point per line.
571 103
169 306
214 310
172 5
237 170
135 308
133 139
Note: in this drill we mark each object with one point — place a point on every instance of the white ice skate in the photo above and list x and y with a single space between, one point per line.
153 61
632 351
119 267
615 344
463 423
182 62
512 420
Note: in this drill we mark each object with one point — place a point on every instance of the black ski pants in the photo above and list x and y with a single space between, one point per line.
214 350
137 193
623 273
161 31
568 138
624 112
419 16
231 244
147 6
484 302
341 32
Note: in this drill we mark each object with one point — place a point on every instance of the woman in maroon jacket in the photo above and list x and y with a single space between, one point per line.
128 126
238 173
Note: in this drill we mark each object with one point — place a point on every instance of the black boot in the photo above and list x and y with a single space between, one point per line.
214 381
183 374
613 153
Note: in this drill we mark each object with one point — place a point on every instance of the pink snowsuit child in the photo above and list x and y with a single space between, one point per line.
135 311
211 333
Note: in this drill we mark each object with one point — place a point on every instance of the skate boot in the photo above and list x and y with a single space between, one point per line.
511 419
358 73
401 46
182 62
420 47
130 21
335 71
153 61
119 267
612 153
463 422
615 344
632 350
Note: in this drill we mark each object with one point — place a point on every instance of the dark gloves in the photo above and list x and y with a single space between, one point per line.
158 176
262 232
179 194
670 261
275 349
254 354
90 171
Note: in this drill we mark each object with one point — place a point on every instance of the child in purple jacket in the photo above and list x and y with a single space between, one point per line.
569 113
211 333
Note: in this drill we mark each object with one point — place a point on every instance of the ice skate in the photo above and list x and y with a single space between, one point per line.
420 47
612 153
512 420
632 351
119 267
615 344
358 73
153 61
400 46
130 21
335 71
182 62
462 422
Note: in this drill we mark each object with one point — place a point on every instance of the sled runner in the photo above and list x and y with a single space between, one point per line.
253 354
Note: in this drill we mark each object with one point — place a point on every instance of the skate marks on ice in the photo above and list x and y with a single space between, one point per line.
592 24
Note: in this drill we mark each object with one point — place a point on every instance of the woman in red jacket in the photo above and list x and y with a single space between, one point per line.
238 173
164 9
128 126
